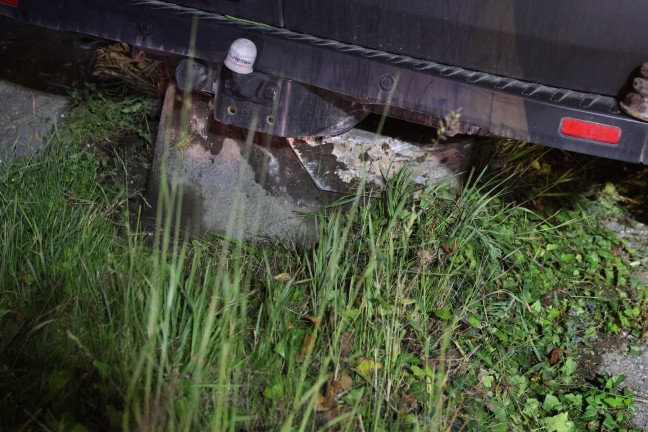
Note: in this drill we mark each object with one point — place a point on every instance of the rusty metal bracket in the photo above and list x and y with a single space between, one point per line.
281 107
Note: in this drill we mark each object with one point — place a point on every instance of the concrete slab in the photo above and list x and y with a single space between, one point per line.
246 185
38 70
339 163
26 121
242 185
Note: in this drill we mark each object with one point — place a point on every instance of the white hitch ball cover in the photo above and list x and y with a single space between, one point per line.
241 56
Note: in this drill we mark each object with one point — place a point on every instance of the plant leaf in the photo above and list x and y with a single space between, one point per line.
282 277
550 402
368 366
559 423
443 314
313 319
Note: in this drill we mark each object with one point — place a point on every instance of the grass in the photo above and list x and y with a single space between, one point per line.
417 310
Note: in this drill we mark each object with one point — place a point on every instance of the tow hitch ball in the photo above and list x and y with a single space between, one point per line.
194 75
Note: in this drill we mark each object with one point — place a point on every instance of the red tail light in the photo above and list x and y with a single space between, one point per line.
590 131
10 2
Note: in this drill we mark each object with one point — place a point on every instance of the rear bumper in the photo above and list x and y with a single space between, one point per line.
503 106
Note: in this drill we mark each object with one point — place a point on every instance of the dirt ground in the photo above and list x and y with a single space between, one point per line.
36 85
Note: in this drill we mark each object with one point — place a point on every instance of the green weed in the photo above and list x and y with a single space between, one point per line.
418 309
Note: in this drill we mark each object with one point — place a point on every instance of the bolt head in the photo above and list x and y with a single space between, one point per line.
145 28
386 82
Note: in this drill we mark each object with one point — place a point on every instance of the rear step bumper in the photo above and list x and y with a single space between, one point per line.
503 106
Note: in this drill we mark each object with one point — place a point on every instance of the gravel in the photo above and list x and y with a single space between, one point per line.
635 368
616 361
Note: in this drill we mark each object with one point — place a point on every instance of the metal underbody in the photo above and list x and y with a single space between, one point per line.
357 77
